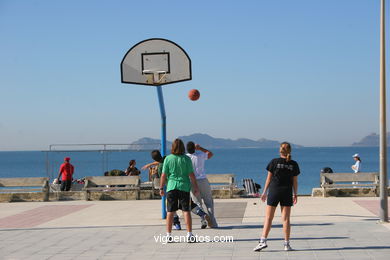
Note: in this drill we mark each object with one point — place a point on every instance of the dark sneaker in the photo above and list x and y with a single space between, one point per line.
203 223
177 226
260 246
191 239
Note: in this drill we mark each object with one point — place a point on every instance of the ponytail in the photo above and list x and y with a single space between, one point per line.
285 150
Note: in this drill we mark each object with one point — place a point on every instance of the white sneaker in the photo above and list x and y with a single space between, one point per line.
262 244
287 247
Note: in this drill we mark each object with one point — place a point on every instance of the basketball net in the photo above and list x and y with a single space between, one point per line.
155 77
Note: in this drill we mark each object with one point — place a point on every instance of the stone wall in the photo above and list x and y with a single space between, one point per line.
103 195
147 194
21 196
66 195
345 192
113 195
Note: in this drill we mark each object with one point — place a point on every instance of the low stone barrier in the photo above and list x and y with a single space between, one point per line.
105 195
105 188
346 192
21 197
66 195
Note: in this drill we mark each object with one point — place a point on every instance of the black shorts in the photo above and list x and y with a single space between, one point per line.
174 197
282 195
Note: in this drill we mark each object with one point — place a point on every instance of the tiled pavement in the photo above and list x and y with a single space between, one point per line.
323 228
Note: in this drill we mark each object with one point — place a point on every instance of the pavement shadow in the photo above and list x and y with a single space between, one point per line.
241 227
78 227
273 226
345 248
353 216
339 215
295 238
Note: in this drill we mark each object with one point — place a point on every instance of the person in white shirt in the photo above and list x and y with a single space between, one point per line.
198 157
358 163
357 166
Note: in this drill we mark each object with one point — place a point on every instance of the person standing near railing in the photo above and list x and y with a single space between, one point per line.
358 163
66 171
132 170
357 166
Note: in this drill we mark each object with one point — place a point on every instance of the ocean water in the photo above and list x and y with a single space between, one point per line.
244 163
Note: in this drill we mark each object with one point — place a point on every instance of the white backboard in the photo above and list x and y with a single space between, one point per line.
155 62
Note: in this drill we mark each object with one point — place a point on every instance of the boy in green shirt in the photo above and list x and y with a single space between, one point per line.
158 162
178 173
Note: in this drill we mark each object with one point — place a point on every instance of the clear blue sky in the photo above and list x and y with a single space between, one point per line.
304 71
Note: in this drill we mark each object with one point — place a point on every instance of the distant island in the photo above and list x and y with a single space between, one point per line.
209 142
371 140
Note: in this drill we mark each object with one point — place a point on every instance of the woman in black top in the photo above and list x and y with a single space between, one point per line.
132 170
282 187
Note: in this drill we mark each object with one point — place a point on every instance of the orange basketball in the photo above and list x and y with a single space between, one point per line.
193 94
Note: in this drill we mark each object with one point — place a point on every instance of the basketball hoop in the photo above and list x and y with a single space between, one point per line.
155 62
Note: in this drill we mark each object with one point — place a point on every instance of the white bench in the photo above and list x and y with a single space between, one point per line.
21 185
110 183
349 181
224 181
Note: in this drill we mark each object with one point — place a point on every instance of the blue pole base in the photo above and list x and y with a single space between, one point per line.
163 206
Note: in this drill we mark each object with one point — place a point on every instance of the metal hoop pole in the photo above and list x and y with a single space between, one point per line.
383 215
163 142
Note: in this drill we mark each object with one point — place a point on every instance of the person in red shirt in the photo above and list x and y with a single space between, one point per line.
66 170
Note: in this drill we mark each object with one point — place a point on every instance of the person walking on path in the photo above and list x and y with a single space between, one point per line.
358 163
66 171
198 157
282 187
178 174
357 166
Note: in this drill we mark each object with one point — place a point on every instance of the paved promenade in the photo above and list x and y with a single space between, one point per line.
322 228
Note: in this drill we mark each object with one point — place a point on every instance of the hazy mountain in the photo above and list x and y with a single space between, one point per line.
371 140
147 143
209 142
